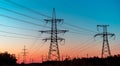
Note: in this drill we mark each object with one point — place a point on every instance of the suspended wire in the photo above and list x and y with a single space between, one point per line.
86 46
45 15
16 33
28 16
20 14
18 27
34 42
34 51
80 27
36 30
29 9
72 30
20 20
79 33
85 43
82 49
38 48
15 37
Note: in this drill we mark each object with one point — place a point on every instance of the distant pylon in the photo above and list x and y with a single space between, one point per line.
54 54
24 54
105 47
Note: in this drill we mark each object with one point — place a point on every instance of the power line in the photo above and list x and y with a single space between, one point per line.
29 9
16 33
80 27
45 15
20 13
89 47
25 16
86 46
75 31
20 20
35 50
38 30
15 37
79 33
35 41
85 43
18 27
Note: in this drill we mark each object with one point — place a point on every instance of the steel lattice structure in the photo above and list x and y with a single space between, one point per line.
105 47
54 54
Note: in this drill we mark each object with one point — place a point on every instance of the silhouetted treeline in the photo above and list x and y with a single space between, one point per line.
92 61
7 59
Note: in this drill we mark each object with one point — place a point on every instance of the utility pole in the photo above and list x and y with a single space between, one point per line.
62 58
105 47
54 54
42 58
18 58
87 55
24 54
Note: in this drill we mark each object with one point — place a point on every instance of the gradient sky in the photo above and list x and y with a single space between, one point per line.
79 42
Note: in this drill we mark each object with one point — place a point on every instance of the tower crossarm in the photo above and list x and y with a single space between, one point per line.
102 34
102 25
99 34
59 38
111 34
58 31
53 20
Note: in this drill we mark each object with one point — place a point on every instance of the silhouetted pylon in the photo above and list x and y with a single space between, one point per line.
105 47
24 54
54 54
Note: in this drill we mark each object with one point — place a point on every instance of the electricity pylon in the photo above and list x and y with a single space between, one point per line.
105 47
24 54
54 54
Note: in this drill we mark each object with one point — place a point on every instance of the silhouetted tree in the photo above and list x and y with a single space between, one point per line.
7 59
91 61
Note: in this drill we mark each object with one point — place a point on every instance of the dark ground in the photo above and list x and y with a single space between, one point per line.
91 61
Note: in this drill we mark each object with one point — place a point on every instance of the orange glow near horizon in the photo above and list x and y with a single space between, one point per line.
71 48
37 57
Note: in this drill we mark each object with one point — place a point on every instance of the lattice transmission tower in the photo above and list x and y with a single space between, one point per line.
24 54
54 54
105 47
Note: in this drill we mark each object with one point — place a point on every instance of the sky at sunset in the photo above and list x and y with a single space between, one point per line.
80 18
